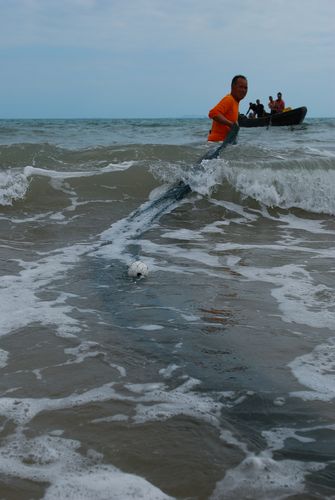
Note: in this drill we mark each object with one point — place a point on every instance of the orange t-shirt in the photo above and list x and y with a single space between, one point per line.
228 107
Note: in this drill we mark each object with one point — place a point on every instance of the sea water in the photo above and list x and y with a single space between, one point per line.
211 378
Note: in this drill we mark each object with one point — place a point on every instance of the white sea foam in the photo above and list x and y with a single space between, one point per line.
228 437
312 226
202 179
215 227
113 418
30 171
153 401
260 475
3 358
184 235
276 437
296 293
84 350
148 328
156 403
122 371
116 239
87 350
167 372
13 186
20 293
22 410
101 483
58 461
196 254
316 371
246 215
190 317
290 221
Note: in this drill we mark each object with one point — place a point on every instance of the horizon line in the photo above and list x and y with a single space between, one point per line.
182 117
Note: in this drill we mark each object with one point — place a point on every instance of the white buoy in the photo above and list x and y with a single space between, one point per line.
138 269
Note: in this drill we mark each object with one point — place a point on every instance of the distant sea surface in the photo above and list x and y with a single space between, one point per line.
211 378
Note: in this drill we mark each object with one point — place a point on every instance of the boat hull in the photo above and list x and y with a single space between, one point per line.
292 117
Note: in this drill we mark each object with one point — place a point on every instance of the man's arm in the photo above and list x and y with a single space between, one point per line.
221 119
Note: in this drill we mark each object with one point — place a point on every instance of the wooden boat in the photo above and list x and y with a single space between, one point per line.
291 117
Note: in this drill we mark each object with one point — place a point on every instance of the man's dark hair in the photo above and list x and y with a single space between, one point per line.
234 80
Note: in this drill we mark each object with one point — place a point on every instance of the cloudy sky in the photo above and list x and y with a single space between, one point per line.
162 58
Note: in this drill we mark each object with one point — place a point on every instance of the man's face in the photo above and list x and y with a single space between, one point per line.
239 89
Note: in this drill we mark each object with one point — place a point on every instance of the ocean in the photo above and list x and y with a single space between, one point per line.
211 378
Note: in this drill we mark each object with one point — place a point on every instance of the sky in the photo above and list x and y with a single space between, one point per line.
162 58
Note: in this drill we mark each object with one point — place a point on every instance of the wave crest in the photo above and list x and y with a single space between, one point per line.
13 187
312 190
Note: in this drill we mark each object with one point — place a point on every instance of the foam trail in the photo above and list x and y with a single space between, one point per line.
122 232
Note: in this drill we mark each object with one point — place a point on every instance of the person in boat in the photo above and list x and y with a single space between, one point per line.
251 113
259 109
271 105
279 104
225 114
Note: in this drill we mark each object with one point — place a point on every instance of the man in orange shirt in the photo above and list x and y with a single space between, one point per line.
225 113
